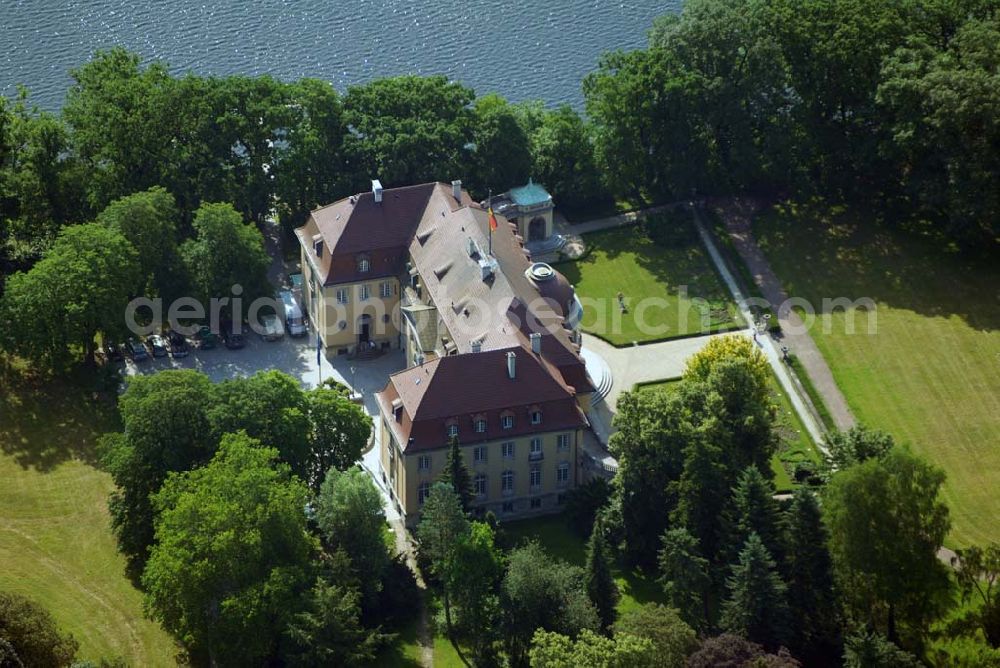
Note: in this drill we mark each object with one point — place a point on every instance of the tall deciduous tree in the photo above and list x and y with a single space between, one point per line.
442 526
977 570
269 406
886 525
474 577
562 150
540 592
166 429
350 516
653 430
757 605
600 584
408 129
149 220
338 432
857 444
226 252
672 639
502 155
231 559
589 650
79 288
312 169
30 635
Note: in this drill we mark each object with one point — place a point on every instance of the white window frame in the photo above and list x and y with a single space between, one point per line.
423 491
343 296
535 473
562 473
366 292
563 442
364 265
385 289
480 454
536 446
481 479
507 482
536 417
423 462
480 426
507 421
452 430
507 449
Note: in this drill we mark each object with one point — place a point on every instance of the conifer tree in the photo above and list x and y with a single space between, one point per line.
601 587
809 573
754 510
685 577
757 605
456 474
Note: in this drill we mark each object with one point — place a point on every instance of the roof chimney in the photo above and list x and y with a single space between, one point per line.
456 190
377 190
511 364
536 343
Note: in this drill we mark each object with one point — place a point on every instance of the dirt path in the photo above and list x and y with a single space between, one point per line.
737 215
405 547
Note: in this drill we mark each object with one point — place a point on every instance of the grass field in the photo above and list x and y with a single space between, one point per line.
795 444
690 297
930 374
56 545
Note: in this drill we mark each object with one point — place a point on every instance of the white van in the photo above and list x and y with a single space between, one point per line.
294 321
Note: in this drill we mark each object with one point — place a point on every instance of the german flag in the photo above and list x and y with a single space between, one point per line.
493 220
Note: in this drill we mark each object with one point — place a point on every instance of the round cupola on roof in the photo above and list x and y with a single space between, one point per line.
553 287
539 272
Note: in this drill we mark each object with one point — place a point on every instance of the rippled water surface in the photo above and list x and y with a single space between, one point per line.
539 49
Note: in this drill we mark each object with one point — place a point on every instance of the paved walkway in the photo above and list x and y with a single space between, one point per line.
737 215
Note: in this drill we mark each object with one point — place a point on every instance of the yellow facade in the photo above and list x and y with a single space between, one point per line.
404 473
339 312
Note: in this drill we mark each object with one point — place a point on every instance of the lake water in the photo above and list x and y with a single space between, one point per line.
523 50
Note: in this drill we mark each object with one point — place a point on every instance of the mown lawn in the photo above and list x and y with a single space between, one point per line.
930 372
795 443
690 298
554 534
56 545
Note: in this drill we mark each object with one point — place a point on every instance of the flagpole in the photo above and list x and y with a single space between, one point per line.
489 223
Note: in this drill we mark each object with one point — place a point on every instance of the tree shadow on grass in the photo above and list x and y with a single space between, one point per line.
822 252
46 420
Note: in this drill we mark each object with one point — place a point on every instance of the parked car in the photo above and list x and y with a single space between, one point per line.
157 345
233 340
136 351
112 351
294 320
272 328
205 338
177 344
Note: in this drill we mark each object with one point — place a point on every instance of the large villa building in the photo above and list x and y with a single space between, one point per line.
490 338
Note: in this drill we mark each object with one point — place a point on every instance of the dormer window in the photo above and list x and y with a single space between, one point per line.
364 264
536 417
480 425
452 430
507 421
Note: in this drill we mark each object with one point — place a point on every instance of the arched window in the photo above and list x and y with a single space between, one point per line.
364 263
